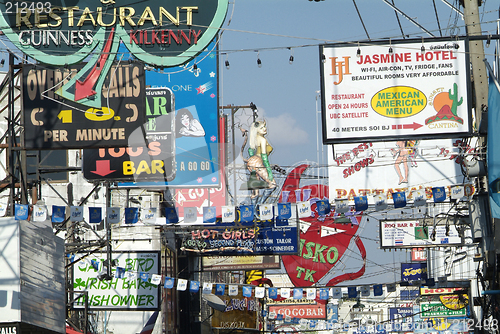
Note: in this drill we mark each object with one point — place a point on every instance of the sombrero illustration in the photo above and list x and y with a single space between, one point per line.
446 104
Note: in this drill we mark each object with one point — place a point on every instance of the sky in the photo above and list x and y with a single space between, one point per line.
287 95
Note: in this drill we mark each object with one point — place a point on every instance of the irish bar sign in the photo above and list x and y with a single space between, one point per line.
160 33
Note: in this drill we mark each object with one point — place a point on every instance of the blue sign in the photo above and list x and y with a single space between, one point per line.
396 313
196 122
413 271
264 240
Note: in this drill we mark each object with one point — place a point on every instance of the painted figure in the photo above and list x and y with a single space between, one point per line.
404 153
259 150
188 126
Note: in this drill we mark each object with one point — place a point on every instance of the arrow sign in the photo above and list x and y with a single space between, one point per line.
85 89
102 168
413 126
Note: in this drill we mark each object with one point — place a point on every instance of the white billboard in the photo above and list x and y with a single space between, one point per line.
412 233
369 168
132 292
410 89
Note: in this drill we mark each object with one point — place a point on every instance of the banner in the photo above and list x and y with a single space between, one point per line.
242 241
118 293
371 93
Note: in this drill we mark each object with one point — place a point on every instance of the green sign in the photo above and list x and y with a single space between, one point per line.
161 33
438 310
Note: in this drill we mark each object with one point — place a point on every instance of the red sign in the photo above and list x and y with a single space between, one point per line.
319 253
303 311
418 254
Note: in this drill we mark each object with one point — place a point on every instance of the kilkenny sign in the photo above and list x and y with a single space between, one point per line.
52 122
157 32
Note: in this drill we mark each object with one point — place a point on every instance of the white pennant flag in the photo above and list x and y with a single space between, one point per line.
76 213
130 275
207 288
304 209
149 215
3 209
311 293
39 213
259 292
228 213
182 284
365 290
419 198
113 215
304 226
341 205
380 202
233 290
285 292
457 192
266 211
190 214
336 292
155 279
326 231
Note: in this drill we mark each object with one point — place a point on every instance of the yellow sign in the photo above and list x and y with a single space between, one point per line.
454 302
398 102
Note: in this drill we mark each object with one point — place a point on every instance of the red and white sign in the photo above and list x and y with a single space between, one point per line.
303 311
418 254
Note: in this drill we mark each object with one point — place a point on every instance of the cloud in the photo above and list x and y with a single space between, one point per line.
284 130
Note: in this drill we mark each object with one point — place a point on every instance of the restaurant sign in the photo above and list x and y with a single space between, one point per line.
160 33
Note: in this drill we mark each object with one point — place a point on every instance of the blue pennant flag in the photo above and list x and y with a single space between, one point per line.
352 292
120 272
439 194
361 203
246 214
95 215
273 293
377 290
169 283
194 286
399 199
284 210
95 264
58 213
144 276
21 211
323 293
220 289
131 215
323 207
171 215
209 214
298 293
247 291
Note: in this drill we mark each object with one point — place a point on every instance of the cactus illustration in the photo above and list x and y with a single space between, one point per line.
454 98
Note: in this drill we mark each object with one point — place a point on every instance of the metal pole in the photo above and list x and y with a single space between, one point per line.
12 134
235 193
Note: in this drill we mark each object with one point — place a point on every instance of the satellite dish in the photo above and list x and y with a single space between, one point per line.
215 302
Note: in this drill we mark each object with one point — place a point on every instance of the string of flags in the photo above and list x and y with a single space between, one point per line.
193 286
242 213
